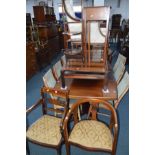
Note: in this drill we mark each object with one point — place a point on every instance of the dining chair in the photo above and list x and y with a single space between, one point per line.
74 25
119 72
47 130
50 82
91 134
122 89
121 59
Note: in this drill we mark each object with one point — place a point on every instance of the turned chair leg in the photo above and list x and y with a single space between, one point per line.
67 149
59 151
27 148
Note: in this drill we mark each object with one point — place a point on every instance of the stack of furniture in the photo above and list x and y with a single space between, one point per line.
43 37
90 62
45 23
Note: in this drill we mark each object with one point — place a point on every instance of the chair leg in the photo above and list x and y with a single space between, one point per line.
59 151
27 148
67 149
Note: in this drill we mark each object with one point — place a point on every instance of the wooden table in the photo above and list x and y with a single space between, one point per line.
91 88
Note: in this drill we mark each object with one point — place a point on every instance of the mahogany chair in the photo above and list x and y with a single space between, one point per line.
122 89
91 134
50 82
120 59
95 32
74 30
93 65
47 131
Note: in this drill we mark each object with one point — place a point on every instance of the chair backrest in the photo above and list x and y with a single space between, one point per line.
72 20
95 21
50 82
57 69
48 79
122 88
120 59
119 72
49 104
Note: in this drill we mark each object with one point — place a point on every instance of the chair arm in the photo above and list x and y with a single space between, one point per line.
34 106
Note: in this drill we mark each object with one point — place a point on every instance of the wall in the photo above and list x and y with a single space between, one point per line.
98 2
29 8
123 9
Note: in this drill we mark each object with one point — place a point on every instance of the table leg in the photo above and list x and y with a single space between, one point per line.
63 79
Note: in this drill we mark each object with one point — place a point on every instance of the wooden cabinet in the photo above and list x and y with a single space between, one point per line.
31 61
47 31
43 13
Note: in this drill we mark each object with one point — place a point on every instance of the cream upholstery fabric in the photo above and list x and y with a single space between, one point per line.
95 35
123 85
93 134
48 79
58 68
119 72
121 59
45 130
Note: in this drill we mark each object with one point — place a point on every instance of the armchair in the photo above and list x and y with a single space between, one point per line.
91 134
47 131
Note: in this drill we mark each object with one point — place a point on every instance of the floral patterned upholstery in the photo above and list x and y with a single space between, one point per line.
45 130
92 134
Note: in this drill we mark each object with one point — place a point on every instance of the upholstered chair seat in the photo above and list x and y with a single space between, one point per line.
92 134
45 130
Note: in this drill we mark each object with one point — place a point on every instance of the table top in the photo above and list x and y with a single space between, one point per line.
92 88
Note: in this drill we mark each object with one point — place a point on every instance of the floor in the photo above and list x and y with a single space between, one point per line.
33 94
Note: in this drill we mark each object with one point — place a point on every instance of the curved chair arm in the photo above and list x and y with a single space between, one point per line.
34 106
68 14
115 138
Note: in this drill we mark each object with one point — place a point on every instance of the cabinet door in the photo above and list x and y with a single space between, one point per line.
39 13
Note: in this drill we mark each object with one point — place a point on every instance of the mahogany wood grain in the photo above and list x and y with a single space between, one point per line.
84 88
